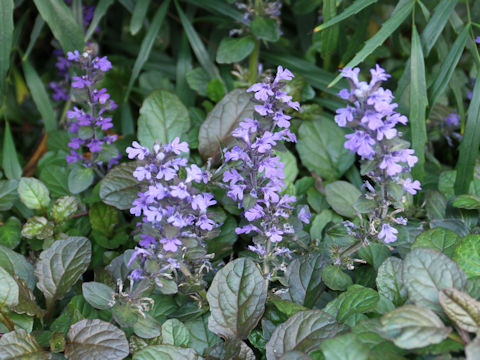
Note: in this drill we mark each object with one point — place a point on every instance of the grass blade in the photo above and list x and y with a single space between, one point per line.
329 38
147 44
138 16
62 23
418 104
220 7
10 164
401 12
184 65
40 96
37 29
437 22
468 150
197 45
100 12
6 38
353 9
448 66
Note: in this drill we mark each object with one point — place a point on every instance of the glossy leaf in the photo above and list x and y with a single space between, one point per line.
320 146
99 295
62 23
33 193
467 202
390 281
138 16
440 239
10 232
437 23
103 218
119 188
461 308
19 344
8 290
165 352
341 196
200 337
467 255
344 347
61 265
37 227
175 333
8 194
215 132
335 278
80 179
233 50
265 28
63 208
303 332
237 299
163 117
426 272
353 9
96 340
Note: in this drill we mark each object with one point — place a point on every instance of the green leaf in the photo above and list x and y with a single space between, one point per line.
413 326
198 79
220 7
426 272
418 104
468 150
335 278
401 12
10 164
99 295
221 245
467 202
215 131
344 347
100 11
448 66
461 309
215 90
437 23
440 239
138 16
63 208
103 218
200 337
197 45
290 168
119 188
62 23
304 279
17 265
472 350
374 254
175 333
61 265
303 332
56 179
8 194
19 344
33 193
147 327
467 255
265 28
287 307
233 50
165 352
147 44
27 303
341 196
356 300
390 282
10 232
353 9
6 38
37 227
329 37
8 290
80 179
163 117
96 340
320 146
237 299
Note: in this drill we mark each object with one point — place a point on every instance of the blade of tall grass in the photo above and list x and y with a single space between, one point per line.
197 45
62 23
6 37
147 44
10 164
220 7
100 11
184 65
37 29
353 9
401 12
468 149
436 24
138 16
418 104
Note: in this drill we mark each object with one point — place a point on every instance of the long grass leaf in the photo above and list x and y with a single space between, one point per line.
197 45
448 66
40 96
184 65
6 37
418 104
437 22
138 16
468 150
401 12
62 23
353 9
37 29
147 44
100 11
220 7
10 164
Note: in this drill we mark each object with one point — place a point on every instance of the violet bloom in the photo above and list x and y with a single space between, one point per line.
411 186
388 234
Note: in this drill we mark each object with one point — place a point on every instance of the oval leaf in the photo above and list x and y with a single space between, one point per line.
99 295
233 50
79 179
8 290
461 308
95 339
440 239
390 282
33 193
341 196
19 344
237 299
467 255
165 352
119 188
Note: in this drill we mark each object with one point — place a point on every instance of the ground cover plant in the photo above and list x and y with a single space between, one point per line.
251 179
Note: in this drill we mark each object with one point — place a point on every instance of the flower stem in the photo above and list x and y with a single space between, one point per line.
253 62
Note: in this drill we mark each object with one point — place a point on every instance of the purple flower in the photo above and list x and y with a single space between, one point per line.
265 142
262 91
361 143
205 223
274 235
102 63
477 39
390 164
453 119
137 151
202 201
104 123
176 146
351 74
344 115
281 120
95 145
255 212
179 191
257 249
411 186
170 244
283 74
73 56
194 173
100 95
388 234
304 215
378 74
80 82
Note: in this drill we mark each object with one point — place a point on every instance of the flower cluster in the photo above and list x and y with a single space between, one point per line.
255 178
375 139
175 213
89 126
